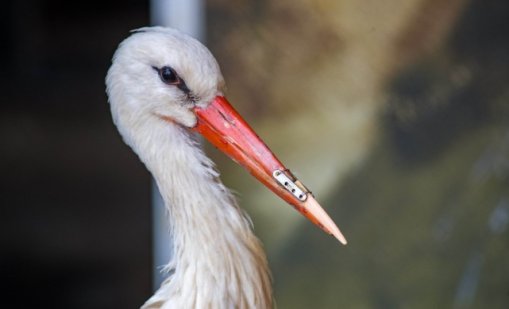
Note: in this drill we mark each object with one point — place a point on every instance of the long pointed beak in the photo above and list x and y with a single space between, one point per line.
222 126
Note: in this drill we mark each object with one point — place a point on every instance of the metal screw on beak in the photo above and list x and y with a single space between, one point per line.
289 185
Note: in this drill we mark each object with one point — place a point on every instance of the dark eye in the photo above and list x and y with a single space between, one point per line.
168 76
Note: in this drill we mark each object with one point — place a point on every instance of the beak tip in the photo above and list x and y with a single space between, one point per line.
339 236
334 231
326 222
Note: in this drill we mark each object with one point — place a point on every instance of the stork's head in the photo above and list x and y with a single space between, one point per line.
161 72
162 75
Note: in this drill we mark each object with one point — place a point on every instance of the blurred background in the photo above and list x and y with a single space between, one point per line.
395 113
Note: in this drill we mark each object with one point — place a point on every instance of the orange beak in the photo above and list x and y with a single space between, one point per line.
222 126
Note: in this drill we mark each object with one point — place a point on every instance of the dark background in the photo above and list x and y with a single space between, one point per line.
70 236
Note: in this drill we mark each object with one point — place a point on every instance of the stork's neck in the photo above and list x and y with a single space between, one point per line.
217 262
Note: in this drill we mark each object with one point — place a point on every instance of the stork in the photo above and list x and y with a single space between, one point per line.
163 86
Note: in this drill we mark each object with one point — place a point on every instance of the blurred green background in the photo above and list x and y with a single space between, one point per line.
395 113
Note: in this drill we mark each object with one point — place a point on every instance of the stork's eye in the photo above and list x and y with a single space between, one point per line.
168 76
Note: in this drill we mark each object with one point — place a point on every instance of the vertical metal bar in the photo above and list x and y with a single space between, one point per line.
185 15
189 17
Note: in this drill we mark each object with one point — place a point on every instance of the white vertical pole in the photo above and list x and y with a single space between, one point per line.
187 16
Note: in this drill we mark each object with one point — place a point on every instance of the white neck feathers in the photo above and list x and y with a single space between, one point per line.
218 262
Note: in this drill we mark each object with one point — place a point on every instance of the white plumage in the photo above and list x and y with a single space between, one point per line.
218 262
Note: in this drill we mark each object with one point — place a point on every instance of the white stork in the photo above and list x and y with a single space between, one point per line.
162 86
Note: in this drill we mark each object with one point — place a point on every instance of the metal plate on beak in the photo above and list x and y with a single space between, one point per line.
290 185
